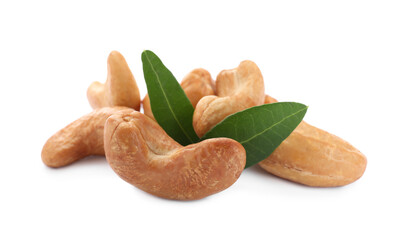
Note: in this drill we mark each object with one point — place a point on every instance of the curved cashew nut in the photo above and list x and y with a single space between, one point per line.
79 139
120 88
142 154
314 157
269 99
197 84
237 89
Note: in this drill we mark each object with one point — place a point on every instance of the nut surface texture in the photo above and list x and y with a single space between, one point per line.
79 139
314 157
269 99
120 88
197 84
142 154
237 89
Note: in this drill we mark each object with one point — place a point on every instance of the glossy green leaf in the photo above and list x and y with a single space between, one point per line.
170 106
260 129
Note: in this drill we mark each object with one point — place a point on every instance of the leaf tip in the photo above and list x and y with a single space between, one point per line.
146 52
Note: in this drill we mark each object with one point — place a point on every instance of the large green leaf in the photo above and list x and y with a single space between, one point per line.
170 106
260 129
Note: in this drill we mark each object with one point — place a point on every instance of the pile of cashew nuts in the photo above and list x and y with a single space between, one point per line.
142 154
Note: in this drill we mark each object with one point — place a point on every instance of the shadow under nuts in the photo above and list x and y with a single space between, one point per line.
197 84
237 89
142 154
120 88
314 157
81 138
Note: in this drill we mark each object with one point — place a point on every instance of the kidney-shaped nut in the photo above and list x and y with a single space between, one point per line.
147 109
142 154
269 99
314 157
237 89
197 84
81 138
120 88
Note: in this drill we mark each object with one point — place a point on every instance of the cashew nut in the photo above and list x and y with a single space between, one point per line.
237 89
142 154
314 157
79 139
197 84
120 88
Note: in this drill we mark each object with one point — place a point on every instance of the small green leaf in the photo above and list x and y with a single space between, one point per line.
170 106
260 129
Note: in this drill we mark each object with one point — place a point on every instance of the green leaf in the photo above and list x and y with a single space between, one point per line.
170 106
260 129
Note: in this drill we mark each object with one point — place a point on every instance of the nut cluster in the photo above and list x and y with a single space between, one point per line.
142 154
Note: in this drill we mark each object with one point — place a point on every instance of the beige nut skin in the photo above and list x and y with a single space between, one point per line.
314 157
142 154
197 84
237 89
120 88
81 138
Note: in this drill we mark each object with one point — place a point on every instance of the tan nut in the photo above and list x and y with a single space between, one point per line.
142 154
79 139
120 88
314 157
147 109
269 99
197 84
237 89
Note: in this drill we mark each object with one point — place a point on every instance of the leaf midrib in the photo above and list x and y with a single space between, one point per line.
267 129
167 101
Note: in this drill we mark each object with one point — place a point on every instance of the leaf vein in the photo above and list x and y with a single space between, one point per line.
273 125
167 100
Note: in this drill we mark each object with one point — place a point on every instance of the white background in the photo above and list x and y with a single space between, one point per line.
346 60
